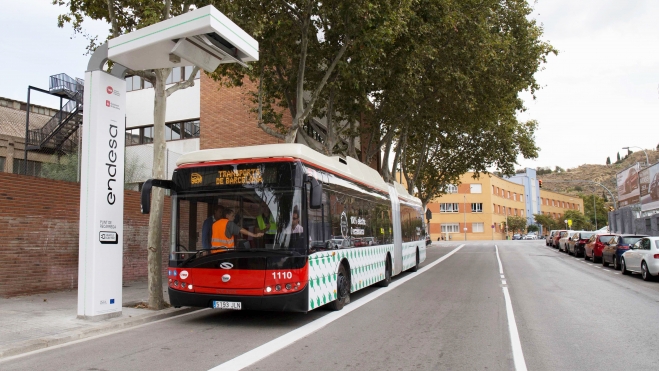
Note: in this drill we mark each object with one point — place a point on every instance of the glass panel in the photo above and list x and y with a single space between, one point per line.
605 239
147 136
137 83
191 129
174 131
188 72
198 74
147 84
169 78
176 74
629 240
241 207
2 164
129 84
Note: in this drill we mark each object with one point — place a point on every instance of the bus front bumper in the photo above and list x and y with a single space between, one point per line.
293 302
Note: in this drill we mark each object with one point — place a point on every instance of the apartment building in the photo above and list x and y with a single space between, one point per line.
477 209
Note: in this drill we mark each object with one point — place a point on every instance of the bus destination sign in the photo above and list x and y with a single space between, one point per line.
239 176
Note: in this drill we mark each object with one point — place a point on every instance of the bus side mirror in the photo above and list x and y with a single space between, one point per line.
145 199
316 194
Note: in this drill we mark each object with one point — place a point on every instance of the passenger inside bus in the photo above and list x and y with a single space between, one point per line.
225 230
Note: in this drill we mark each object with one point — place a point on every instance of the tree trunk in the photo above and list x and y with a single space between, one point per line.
154 255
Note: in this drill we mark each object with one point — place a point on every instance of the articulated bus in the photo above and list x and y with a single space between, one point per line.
314 229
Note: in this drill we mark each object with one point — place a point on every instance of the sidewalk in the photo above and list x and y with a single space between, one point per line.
35 322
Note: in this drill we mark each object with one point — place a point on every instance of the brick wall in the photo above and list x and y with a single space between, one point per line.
226 119
39 235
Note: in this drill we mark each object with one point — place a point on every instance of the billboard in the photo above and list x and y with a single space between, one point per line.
649 187
627 181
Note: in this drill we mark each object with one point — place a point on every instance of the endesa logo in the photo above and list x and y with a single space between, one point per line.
109 89
107 103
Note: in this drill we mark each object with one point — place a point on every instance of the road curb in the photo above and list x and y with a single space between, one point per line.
67 337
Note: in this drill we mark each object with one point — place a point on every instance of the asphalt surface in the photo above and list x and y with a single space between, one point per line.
570 315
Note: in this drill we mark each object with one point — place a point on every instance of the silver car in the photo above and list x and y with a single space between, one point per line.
642 257
565 238
550 238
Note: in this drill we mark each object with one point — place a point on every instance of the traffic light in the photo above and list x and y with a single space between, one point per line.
540 183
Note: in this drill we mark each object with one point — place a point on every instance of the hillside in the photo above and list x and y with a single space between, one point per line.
605 174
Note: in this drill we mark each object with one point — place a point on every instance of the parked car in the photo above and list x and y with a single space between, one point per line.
616 247
370 241
550 238
529 236
517 236
565 238
575 245
339 243
557 236
653 190
595 245
642 257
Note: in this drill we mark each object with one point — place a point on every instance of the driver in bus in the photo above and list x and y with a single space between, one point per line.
224 230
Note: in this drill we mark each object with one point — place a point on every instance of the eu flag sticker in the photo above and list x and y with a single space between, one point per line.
111 301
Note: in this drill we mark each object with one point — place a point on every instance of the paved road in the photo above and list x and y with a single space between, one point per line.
570 315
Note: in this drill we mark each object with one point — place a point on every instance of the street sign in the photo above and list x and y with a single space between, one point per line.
569 222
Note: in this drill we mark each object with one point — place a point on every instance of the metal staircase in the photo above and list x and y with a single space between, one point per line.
56 135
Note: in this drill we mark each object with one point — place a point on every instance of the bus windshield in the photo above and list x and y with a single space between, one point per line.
274 212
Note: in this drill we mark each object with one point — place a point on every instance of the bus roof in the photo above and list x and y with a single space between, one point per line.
349 166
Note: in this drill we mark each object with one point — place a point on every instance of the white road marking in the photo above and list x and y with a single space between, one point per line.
503 282
273 346
518 355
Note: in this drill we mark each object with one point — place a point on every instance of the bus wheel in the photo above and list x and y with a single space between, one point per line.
416 266
342 289
387 273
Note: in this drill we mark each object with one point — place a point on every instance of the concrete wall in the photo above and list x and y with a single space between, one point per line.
39 235
182 105
628 220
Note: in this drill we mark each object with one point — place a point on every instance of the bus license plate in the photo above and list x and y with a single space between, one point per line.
227 305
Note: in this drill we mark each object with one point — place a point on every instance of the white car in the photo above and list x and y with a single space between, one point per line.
529 236
642 257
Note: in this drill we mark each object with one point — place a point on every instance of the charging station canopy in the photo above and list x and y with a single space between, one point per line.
203 37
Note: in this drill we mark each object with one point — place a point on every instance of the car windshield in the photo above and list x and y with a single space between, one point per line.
629 240
585 236
605 239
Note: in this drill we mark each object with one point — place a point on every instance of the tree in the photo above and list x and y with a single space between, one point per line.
548 223
62 168
311 60
446 106
532 228
600 208
579 221
516 224
125 16
618 161
608 160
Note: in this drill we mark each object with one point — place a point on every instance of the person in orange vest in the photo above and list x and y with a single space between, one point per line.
224 230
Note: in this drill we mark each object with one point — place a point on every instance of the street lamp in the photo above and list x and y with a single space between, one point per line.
647 161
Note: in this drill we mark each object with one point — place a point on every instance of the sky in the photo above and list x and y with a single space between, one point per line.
599 94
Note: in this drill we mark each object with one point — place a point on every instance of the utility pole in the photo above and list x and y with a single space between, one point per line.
595 209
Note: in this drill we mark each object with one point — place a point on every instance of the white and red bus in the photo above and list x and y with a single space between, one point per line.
354 229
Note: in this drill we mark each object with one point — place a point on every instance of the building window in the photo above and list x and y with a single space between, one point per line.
521 198
515 212
448 207
477 227
173 131
493 190
475 188
33 167
451 188
508 195
450 228
514 196
477 207
2 164
177 74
